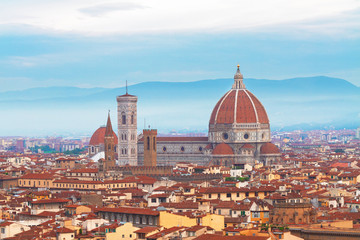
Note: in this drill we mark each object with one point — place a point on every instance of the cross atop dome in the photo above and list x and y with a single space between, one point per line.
238 80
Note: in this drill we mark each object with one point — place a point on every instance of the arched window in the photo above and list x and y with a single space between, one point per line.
132 118
123 118
154 142
148 143
125 136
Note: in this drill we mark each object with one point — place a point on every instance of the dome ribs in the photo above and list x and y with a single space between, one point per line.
226 109
262 115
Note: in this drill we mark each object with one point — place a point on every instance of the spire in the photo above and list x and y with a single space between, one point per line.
238 79
109 130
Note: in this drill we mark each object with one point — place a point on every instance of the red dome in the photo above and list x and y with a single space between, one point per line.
269 148
99 135
247 146
223 149
239 106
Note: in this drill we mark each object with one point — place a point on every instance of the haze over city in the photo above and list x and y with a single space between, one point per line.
179 120
101 44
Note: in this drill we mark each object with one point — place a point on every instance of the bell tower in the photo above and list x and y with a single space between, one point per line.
127 129
150 147
110 147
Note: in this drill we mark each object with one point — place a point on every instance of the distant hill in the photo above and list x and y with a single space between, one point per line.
312 101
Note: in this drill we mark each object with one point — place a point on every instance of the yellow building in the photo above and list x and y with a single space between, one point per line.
126 232
77 209
68 183
169 220
235 194
36 180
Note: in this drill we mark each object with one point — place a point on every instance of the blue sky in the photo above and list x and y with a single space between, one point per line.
103 43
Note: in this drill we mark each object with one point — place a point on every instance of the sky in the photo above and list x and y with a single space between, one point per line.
99 43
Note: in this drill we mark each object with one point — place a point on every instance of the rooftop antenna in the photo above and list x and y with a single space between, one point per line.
126 88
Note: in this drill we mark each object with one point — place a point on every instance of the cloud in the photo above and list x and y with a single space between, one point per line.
38 60
105 8
99 17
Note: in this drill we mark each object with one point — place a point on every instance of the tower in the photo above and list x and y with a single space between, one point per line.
110 146
127 129
150 147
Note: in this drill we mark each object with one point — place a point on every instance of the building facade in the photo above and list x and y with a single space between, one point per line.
239 133
127 129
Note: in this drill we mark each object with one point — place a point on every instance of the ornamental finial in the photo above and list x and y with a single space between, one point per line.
238 79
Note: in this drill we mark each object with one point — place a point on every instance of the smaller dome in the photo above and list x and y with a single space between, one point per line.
99 137
247 146
269 148
223 149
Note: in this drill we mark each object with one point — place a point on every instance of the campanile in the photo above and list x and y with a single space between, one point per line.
127 129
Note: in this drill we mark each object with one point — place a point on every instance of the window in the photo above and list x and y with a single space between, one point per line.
255 214
164 149
182 149
148 143
246 136
228 195
132 119
154 143
2 230
225 136
123 118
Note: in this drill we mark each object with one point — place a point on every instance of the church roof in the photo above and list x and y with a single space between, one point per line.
223 149
269 148
99 135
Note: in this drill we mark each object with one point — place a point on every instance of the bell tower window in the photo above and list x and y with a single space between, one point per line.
123 118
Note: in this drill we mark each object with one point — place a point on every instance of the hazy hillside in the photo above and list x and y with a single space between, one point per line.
301 102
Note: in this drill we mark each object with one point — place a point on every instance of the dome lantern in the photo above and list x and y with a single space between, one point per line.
238 80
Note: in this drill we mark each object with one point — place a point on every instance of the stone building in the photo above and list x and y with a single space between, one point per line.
127 129
96 144
239 133
150 147
293 213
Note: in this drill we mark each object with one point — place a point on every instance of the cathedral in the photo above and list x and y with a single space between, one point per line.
239 134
